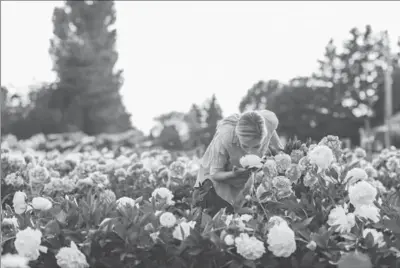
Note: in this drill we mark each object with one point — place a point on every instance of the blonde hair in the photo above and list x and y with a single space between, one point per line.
251 126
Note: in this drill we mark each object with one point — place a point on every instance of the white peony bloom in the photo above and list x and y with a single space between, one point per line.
245 217
281 240
126 201
354 175
249 247
270 169
276 220
19 202
370 212
228 219
154 236
167 219
378 236
71 257
229 240
164 194
283 162
338 217
14 261
27 243
11 221
362 193
41 203
251 161
360 153
182 230
321 156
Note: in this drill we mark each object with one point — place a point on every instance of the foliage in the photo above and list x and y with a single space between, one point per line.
312 205
83 52
346 90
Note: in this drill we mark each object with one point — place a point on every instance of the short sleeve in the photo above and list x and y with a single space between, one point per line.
216 156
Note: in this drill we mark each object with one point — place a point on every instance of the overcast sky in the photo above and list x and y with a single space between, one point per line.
178 53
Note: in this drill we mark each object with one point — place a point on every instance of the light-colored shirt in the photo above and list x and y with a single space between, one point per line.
225 151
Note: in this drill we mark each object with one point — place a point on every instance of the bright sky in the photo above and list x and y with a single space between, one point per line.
178 53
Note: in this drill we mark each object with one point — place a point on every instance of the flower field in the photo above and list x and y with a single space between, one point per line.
311 206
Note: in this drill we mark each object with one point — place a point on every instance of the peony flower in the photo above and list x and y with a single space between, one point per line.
14 261
19 202
283 162
167 219
360 153
245 217
321 156
71 257
261 192
296 155
378 236
281 240
178 169
38 175
338 217
41 203
270 169
99 178
27 243
275 220
293 173
164 194
126 201
154 236
362 193
354 175
249 247
182 230
107 196
11 221
371 171
393 164
251 161
193 167
370 212
309 180
229 240
283 186
334 143
14 180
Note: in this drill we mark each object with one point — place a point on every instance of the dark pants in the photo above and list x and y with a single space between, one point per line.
207 198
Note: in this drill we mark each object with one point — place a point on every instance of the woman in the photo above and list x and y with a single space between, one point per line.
220 178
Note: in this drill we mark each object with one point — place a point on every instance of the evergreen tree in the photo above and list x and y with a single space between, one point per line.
84 55
213 115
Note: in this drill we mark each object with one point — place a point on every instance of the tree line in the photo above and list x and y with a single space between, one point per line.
345 93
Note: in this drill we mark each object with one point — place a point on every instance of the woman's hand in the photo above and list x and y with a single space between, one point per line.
239 178
241 172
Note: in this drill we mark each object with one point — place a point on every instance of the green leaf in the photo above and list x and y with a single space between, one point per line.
302 224
308 259
52 228
369 240
392 224
205 219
